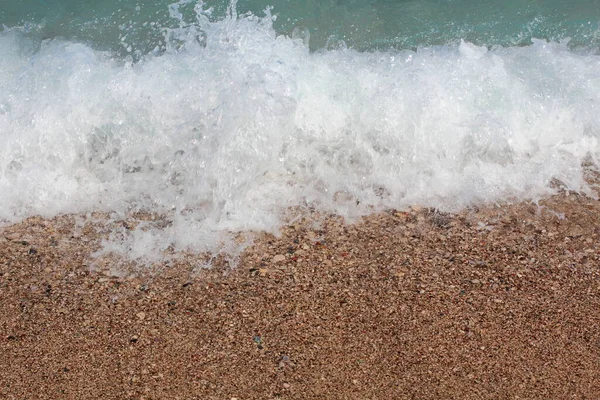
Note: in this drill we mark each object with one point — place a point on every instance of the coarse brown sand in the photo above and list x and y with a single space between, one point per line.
498 303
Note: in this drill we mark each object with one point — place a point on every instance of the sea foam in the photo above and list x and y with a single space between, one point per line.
232 124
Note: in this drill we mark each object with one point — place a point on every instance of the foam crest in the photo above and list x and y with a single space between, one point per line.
233 124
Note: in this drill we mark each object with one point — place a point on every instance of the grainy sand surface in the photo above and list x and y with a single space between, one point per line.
495 303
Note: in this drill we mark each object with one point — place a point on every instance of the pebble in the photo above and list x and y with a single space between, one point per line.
141 315
279 258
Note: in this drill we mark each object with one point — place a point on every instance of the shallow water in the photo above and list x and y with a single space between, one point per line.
360 24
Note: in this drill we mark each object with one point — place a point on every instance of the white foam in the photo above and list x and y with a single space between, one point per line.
233 124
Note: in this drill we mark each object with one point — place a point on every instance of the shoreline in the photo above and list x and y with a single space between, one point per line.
497 302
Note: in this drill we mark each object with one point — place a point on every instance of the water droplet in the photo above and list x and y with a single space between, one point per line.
301 33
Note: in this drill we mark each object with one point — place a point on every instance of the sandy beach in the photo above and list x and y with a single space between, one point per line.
277 200
501 302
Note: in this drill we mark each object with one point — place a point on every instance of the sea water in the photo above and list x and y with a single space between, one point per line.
219 116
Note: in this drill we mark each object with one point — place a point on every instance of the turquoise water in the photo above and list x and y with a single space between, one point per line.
220 116
360 24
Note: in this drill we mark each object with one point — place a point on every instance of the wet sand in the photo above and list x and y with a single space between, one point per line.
495 303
